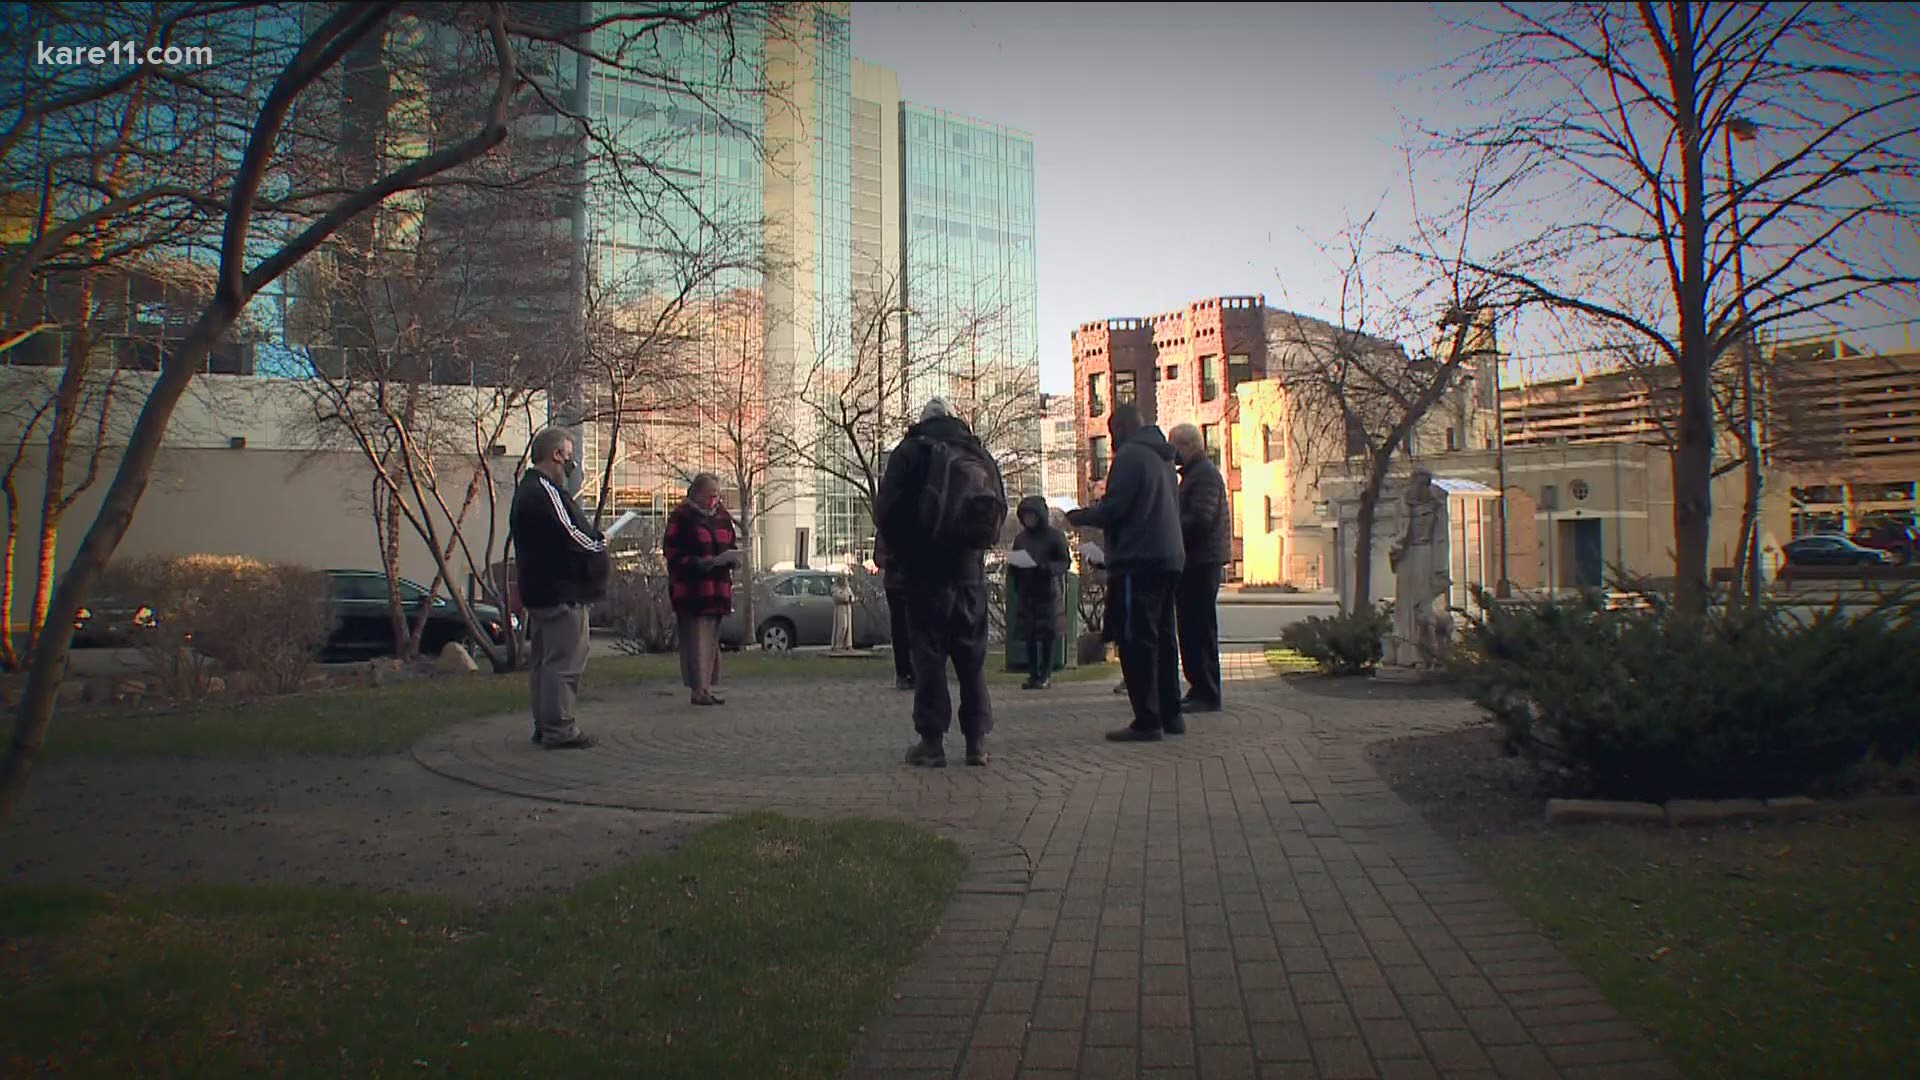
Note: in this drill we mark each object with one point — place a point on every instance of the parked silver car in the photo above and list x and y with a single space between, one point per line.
793 608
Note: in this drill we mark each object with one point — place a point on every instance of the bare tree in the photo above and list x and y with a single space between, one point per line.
95 224
259 209
855 398
1356 392
645 357
442 369
741 426
1615 124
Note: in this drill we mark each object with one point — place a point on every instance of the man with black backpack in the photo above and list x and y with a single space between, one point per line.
941 505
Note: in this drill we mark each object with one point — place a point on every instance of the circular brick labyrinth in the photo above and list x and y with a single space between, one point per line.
829 745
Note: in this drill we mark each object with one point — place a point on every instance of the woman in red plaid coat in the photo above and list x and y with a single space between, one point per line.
702 548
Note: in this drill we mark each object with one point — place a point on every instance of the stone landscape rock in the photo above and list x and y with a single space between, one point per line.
1711 811
456 660
1578 811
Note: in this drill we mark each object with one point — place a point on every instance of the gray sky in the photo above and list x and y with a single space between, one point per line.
1185 151
1179 151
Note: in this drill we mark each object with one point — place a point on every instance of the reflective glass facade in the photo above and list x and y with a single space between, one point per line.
706 151
841 524
968 248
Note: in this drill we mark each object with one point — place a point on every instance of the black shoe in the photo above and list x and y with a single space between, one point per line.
1178 727
536 738
1044 684
927 754
977 753
1133 734
1193 704
903 682
1030 684
1121 689
577 742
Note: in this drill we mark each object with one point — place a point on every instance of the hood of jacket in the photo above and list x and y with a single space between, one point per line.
1153 439
945 429
1036 505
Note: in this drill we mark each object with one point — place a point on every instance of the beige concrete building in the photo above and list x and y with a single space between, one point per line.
239 475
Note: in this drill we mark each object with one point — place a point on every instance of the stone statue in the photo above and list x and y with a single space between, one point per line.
842 615
1419 563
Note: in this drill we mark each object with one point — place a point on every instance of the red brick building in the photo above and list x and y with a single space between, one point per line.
1179 367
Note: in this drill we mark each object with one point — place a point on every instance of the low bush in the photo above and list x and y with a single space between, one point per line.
1643 701
1350 643
227 614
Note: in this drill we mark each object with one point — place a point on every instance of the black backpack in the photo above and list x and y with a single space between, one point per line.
963 505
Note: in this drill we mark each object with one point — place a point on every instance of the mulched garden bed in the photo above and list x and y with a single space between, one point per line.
1463 784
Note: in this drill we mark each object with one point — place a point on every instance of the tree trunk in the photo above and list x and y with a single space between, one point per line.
386 523
746 575
109 527
1693 457
1363 529
66 403
9 659
1750 530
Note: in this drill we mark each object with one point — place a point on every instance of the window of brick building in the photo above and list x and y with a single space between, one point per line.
1267 513
1124 391
1097 457
1209 378
1239 370
1210 441
1173 372
1096 394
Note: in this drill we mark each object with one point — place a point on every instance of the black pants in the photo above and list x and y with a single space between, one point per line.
1040 647
949 622
1149 657
1197 600
902 637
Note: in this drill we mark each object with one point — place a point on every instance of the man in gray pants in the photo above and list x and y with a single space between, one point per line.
562 567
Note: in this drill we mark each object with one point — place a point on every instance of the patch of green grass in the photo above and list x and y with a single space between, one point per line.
1780 951
364 722
756 950
1285 661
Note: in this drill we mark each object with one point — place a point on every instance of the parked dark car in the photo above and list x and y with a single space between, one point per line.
1900 542
1831 550
110 622
363 627
795 608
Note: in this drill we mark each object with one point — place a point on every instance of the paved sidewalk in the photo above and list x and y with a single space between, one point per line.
1249 900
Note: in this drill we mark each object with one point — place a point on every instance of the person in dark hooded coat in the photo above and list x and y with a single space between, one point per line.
1145 552
1038 589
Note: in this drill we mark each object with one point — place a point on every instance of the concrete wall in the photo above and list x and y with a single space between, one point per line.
276 498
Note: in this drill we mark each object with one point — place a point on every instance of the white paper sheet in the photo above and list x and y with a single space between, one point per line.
1022 560
1091 553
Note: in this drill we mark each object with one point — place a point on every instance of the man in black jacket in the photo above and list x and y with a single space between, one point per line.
1206 527
945 590
1141 516
561 563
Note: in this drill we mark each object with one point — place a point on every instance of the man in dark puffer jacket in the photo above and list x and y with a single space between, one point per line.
1141 516
1206 527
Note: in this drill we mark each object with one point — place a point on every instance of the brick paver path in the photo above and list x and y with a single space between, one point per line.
1249 900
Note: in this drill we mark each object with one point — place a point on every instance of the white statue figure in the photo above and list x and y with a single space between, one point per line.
842 615
1420 577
